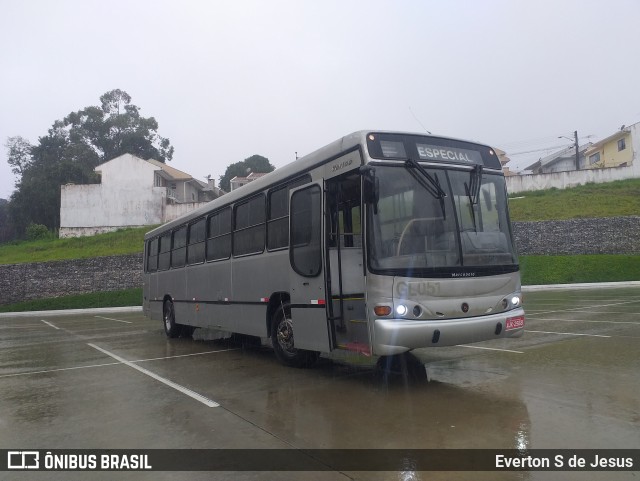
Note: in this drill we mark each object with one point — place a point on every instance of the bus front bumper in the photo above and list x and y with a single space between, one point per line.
395 336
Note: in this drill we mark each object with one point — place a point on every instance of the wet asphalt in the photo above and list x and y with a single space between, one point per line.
570 382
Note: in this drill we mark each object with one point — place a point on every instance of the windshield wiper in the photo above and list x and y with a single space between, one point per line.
472 190
432 186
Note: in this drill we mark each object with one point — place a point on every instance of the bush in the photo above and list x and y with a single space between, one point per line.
38 232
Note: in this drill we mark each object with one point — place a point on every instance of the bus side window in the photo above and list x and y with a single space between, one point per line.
306 222
344 207
249 227
179 250
164 259
152 255
278 223
195 250
278 214
219 235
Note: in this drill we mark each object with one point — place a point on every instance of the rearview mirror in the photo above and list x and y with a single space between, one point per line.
370 186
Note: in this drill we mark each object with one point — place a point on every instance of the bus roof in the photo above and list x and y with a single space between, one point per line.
289 171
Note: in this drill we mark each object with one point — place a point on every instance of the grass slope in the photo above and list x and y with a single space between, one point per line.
126 297
537 270
125 241
612 199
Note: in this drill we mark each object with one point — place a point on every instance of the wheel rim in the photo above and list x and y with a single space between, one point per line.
284 334
168 317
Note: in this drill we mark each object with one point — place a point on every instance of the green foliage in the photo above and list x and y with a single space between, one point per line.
620 198
125 241
255 163
7 231
38 232
538 270
123 298
18 154
72 149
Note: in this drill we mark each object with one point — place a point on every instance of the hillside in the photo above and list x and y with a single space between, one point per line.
125 241
621 198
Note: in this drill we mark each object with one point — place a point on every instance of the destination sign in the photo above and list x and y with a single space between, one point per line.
448 154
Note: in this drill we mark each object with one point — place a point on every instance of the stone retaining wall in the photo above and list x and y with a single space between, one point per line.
21 282
616 235
612 235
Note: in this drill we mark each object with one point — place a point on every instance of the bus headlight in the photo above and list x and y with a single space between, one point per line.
511 302
401 309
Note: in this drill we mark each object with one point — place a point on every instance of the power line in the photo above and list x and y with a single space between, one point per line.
536 150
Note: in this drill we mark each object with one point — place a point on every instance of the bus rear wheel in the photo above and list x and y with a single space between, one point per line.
171 328
283 342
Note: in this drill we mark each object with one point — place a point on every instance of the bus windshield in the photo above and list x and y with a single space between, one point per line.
460 224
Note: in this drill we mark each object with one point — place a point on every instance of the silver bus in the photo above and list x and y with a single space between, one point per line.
378 243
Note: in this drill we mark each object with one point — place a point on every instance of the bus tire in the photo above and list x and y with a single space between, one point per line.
171 328
283 343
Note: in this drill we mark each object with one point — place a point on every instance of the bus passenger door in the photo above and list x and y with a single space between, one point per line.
345 277
308 309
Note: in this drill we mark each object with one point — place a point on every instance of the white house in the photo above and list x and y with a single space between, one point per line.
561 161
132 193
239 181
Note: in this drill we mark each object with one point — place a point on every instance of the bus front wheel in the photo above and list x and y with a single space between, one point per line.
283 342
171 328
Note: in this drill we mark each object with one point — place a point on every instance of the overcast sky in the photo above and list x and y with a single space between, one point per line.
226 80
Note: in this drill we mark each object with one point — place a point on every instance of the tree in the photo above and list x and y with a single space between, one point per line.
255 163
71 150
6 227
116 128
18 154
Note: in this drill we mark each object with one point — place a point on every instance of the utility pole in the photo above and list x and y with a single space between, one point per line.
575 134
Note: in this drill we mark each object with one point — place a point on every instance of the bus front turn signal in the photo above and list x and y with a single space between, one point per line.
382 310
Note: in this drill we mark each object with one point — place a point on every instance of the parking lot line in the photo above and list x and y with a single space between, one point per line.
568 333
184 355
590 307
192 394
590 311
580 320
112 319
489 348
57 370
50 325
46 371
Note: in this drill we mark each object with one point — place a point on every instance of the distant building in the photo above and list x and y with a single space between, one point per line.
561 161
610 159
617 150
238 181
502 156
132 193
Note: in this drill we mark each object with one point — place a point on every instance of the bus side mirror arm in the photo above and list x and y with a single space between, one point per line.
371 186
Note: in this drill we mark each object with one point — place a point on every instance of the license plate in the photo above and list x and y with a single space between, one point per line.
515 323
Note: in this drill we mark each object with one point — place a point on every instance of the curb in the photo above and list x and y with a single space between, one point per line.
592 285
65 312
